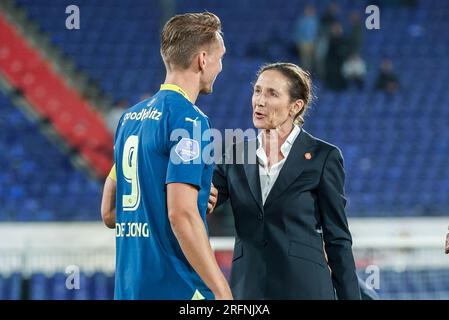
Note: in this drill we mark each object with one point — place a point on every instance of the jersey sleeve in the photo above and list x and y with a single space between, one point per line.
112 173
187 161
119 127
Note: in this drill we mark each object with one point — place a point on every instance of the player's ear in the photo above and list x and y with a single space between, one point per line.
202 60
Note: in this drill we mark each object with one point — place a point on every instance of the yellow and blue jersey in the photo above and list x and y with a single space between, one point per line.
160 140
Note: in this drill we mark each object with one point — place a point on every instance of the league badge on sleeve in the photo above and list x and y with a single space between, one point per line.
187 149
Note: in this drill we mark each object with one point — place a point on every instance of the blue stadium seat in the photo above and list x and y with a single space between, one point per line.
10 286
39 287
26 169
101 286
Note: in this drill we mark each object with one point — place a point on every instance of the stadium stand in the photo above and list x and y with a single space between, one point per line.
395 147
414 284
386 140
39 183
71 116
409 284
97 286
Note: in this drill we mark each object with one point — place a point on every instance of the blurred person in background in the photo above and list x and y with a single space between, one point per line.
387 81
306 33
354 71
288 201
329 17
335 58
355 34
161 195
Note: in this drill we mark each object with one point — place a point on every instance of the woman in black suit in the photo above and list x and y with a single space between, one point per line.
287 194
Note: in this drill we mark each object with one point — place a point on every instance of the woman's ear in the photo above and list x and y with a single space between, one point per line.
297 107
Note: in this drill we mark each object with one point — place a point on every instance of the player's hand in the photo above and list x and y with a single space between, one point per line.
446 249
212 199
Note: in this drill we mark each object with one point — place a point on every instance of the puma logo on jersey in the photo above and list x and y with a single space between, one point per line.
191 120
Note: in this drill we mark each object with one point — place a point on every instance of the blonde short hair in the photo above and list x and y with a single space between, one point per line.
185 34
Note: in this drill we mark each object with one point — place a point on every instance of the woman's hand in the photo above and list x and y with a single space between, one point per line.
212 199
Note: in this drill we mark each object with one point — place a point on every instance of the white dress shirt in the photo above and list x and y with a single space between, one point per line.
267 175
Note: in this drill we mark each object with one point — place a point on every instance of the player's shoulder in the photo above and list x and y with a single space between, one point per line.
181 109
181 105
174 100
136 107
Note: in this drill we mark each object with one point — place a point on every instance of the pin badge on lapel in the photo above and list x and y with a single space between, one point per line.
308 155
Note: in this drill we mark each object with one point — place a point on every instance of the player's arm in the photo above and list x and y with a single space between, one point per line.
108 200
191 234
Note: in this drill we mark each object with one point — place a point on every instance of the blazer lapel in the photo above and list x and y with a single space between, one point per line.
252 176
292 168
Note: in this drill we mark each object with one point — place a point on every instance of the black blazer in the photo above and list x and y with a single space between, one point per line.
278 252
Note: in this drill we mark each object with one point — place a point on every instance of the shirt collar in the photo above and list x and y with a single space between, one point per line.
286 146
174 87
